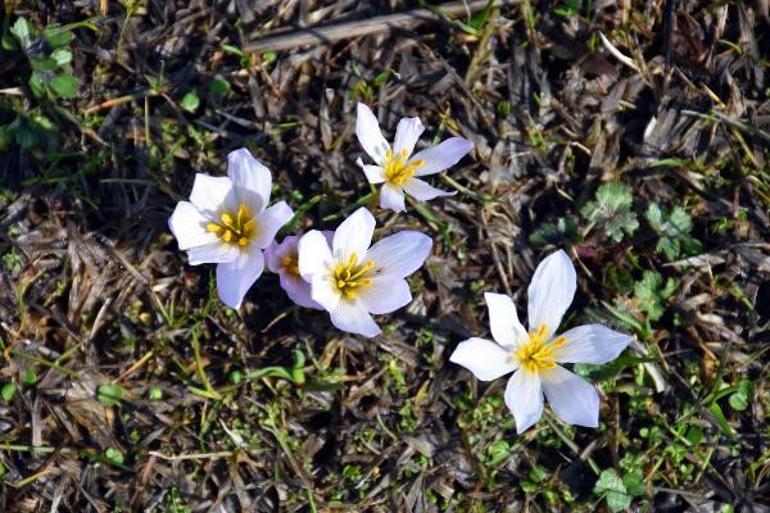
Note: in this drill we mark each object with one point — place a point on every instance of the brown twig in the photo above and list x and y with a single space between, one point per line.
332 33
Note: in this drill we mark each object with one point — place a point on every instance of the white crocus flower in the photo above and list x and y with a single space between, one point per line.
283 259
226 222
534 356
397 169
351 280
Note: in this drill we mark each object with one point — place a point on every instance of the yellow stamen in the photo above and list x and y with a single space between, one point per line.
290 264
350 277
239 228
537 353
397 171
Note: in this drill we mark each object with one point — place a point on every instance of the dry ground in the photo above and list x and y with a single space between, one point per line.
126 385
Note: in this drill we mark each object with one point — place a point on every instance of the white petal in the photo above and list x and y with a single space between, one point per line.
212 195
374 174
352 317
592 343
236 278
400 254
270 221
504 321
324 292
407 133
189 226
386 294
215 253
572 399
551 291
419 189
314 254
298 290
524 397
251 178
485 359
369 134
392 198
442 156
354 235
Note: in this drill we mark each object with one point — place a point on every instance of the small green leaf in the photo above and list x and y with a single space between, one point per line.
614 490
62 56
29 378
269 57
612 210
23 32
190 102
155 393
740 400
114 456
36 84
57 36
7 392
43 63
109 395
634 482
219 86
498 452
64 86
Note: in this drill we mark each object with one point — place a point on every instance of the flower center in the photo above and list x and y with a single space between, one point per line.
351 277
537 353
239 228
397 170
291 264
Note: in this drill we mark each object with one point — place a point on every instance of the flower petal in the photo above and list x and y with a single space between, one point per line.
275 252
234 279
419 189
323 292
369 134
354 235
214 253
212 195
189 226
442 156
386 294
572 399
551 291
314 255
374 174
485 359
270 221
351 316
408 132
504 321
400 254
392 198
524 397
251 178
591 343
298 290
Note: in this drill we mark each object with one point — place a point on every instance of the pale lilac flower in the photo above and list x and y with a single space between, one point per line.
351 280
283 259
397 169
226 222
534 357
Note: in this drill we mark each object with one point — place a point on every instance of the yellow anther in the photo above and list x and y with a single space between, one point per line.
537 353
226 219
239 228
397 171
349 277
